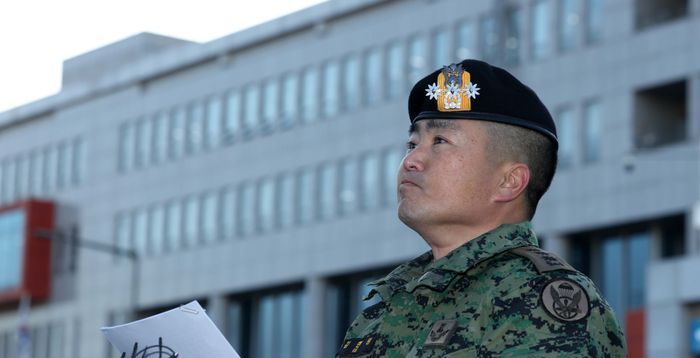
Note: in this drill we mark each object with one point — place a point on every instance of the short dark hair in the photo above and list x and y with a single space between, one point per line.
539 153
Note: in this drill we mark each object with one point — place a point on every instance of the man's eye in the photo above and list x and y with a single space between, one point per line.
410 146
439 140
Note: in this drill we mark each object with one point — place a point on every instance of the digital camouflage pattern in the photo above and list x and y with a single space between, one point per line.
486 300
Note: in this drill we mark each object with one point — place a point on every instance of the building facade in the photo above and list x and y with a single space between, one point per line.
256 172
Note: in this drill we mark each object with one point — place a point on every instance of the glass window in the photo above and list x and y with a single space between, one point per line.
465 41
265 333
228 213
370 181
612 276
513 25
65 165
192 221
395 70
51 168
441 49
566 133
390 164
331 87
214 112
309 96
140 231
594 20
266 204
348 186
417 58
11 247
232 122
285 187
247 209
177 133
270 104
157 230
278 328
540 29
373 79
638 257
592 131
144 142
79 161
210 216
126 147
37 173
174 228
160 136
488 39
328 191
251 108
290 100
351 82
22 176
307 196
122 235
568 21
195 127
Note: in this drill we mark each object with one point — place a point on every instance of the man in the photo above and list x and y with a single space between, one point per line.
481 153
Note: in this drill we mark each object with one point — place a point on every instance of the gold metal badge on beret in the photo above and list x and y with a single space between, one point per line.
565 300
453 90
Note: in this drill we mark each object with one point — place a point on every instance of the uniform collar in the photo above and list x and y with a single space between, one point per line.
437 274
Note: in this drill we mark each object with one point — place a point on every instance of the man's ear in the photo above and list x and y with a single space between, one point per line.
515 178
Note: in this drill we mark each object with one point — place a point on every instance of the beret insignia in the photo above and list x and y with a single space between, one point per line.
453 90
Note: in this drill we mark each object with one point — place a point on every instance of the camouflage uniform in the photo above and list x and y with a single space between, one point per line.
498 295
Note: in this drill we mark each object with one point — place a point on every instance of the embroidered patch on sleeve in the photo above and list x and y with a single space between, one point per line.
356 346
565 300
440 333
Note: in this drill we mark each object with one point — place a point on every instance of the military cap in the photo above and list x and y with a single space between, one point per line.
476 90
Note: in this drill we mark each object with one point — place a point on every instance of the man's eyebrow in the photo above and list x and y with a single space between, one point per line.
432 124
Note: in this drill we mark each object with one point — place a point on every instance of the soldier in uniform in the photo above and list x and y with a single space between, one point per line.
480 155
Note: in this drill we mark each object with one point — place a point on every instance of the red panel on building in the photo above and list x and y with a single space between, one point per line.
635 333
25 254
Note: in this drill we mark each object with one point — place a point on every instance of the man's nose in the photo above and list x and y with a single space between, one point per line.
414 160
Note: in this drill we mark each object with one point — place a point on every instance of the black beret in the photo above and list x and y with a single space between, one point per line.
476 90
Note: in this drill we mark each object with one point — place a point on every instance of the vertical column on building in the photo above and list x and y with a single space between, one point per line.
313 318
693 120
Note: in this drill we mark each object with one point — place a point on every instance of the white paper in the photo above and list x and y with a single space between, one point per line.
186 332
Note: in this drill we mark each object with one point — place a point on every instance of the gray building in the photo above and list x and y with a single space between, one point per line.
255 173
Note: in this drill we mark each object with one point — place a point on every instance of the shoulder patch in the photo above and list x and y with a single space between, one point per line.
544 261
565 300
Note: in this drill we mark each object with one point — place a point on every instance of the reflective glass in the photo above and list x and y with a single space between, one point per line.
594 20
210 216
331 89
122 235
465 41
568 21
566 134
488 39
177 133
51 168
373 79
195 127
638 258
351 82
37 178
307 196
348 187
417 58
612 275
290 100
79 161
371 186
513 25
157 230
213 123
23 176
286 187
540 29
160 135
11 248
126 147
391 161
174 228
270 104
309 96
140 231
232 121
247 209
266 204
592 132
192 221
251 109
144 141
65 165
228 213
441 49
396 70
328 192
